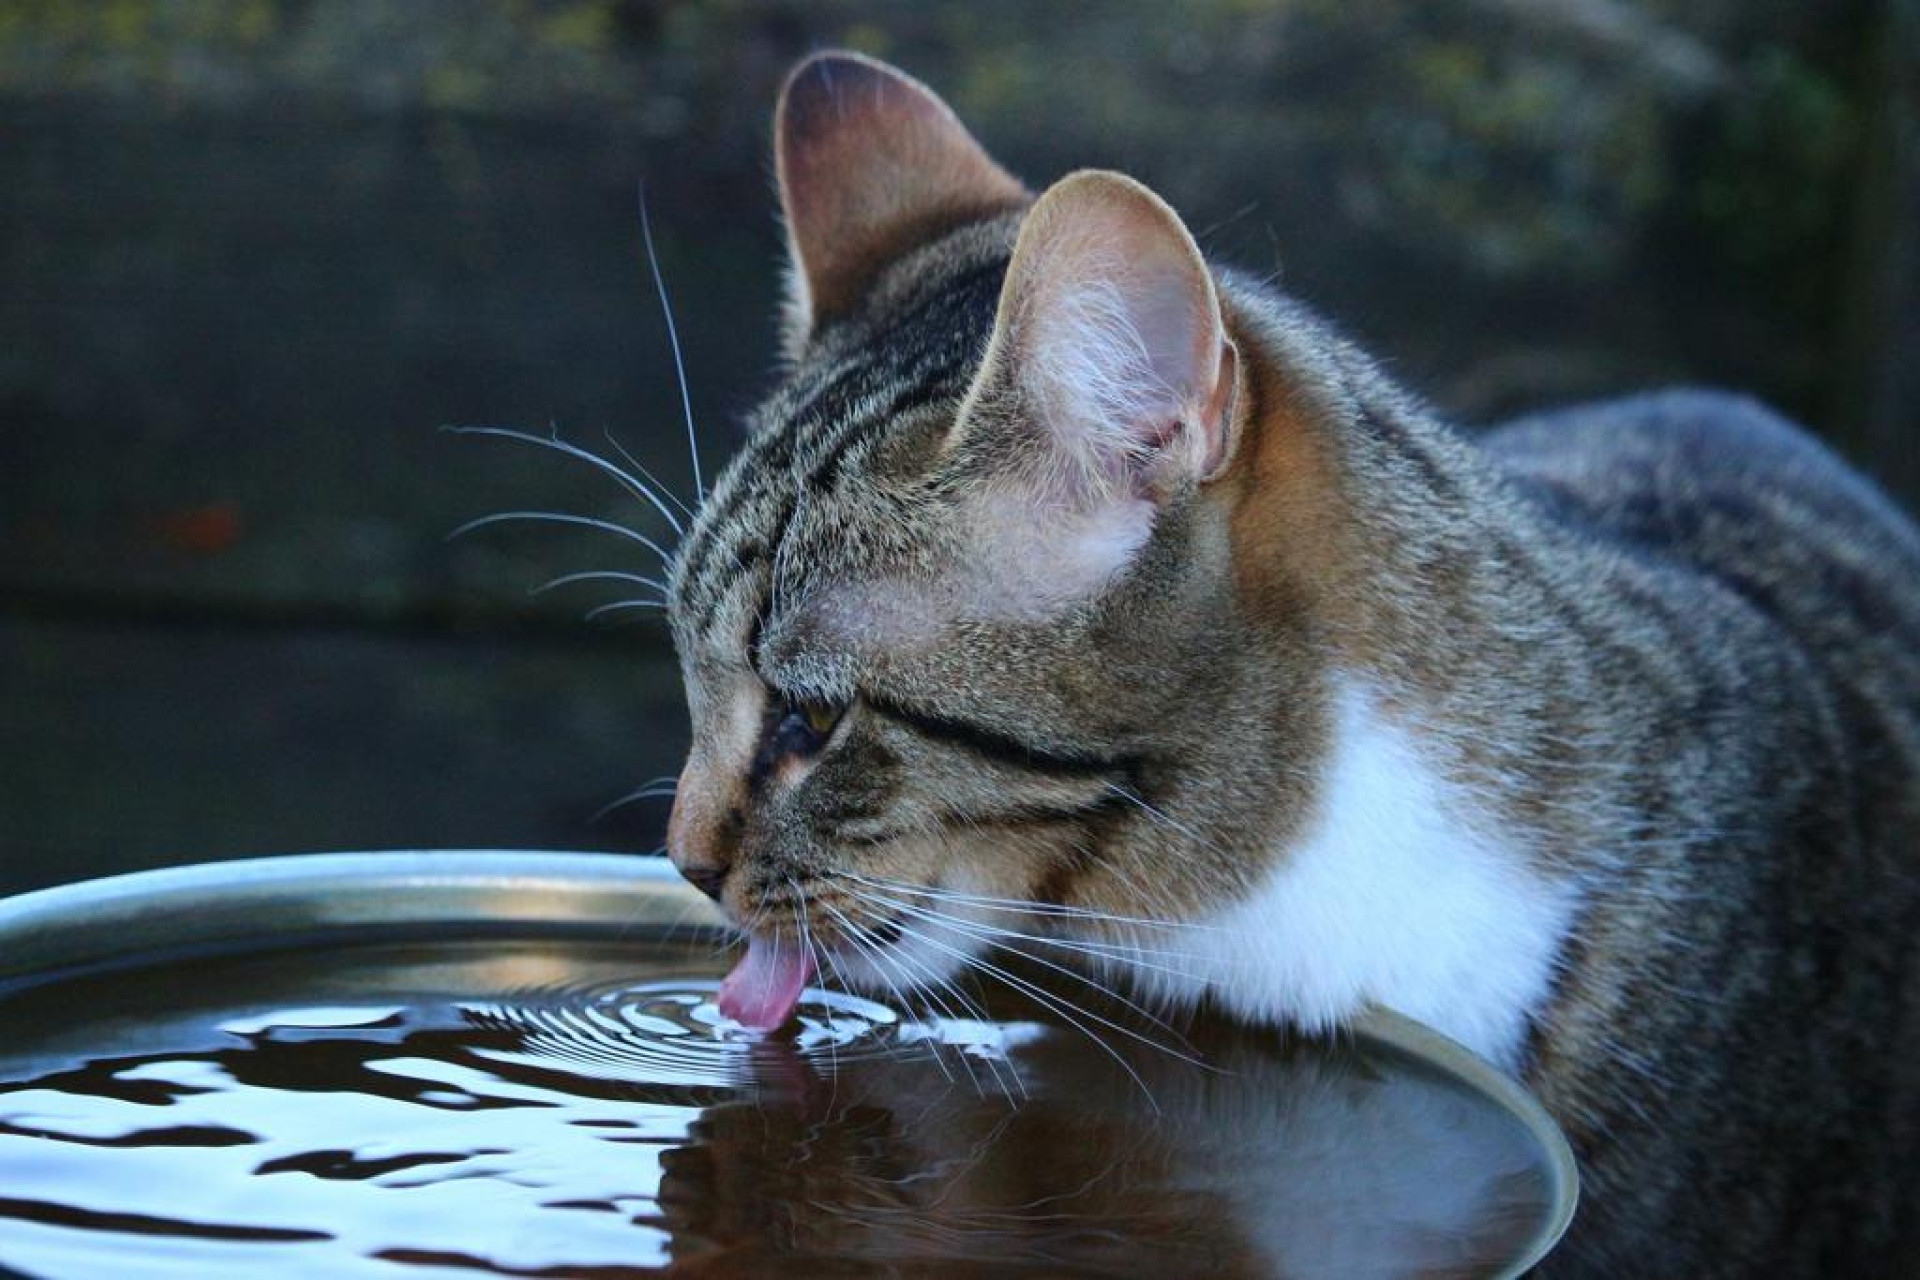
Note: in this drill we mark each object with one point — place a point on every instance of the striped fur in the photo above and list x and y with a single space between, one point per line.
1658 661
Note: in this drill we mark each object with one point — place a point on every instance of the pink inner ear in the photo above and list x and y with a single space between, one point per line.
1119 338
1107 364
1173 329
871 162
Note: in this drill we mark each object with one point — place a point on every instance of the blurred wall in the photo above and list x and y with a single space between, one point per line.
253 252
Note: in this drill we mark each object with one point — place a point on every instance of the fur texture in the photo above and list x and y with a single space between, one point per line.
1139 594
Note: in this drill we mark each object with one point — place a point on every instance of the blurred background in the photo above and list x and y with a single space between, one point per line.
254 252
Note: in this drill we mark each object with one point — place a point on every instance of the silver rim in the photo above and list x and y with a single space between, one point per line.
253 902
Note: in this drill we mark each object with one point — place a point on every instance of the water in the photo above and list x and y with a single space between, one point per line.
571 1109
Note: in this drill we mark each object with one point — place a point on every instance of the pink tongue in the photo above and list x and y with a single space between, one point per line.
763 988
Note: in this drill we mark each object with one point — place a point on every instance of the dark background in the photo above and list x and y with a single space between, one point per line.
253 252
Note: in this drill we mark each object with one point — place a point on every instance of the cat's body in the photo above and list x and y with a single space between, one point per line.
1063 568
1735 1047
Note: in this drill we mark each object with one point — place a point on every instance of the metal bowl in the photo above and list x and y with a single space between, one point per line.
326 899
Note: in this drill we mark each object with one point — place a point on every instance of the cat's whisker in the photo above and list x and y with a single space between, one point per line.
1059 1005
1010 905
659 484
673 341
1020 906
970 1011
935 983
1124 952
1119 952
878 952
1114 954
1033 989
622 606
564 517
690 910
628 482
1185 1050
1160 815
965 927
932 985
832 959
657 789
876 955
599 575
813 958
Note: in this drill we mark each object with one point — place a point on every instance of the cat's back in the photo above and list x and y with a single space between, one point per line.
1720 486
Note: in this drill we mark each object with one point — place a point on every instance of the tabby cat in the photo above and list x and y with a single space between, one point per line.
1064 568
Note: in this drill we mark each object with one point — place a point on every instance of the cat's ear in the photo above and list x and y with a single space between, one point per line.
1109 383
1110 327
870 162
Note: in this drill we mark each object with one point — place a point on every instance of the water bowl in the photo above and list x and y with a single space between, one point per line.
498 1063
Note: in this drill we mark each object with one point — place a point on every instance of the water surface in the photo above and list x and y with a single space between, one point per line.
576 1109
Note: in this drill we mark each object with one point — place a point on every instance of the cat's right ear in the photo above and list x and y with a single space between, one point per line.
870 162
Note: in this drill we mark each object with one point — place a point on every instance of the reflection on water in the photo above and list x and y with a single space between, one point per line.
400 1111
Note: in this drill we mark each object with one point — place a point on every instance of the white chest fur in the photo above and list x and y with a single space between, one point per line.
1402 895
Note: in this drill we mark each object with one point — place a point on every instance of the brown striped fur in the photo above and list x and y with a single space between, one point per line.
1671 642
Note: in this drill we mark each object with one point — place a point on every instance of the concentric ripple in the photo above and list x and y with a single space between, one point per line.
669 1031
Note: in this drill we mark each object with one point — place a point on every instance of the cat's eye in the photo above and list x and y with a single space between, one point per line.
801 727
820 716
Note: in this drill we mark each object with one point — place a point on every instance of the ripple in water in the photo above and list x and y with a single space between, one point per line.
670 1032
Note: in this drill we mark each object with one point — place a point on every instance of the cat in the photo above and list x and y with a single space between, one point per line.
1069 583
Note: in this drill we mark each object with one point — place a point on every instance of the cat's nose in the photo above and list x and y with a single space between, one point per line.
699 858
700 838
708 880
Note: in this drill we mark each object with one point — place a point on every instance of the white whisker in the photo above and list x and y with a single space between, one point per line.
673 340
813 957
647 475
653 790
1017 905
603 575
928 991
1056 1004
621 606
874 953
563 517
1160 815
1117 952
629 483
987 936
935 983
1085 946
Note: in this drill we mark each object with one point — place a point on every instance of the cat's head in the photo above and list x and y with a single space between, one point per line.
961 622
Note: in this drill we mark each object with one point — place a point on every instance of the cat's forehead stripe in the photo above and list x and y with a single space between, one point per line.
792 433
907 359
764 450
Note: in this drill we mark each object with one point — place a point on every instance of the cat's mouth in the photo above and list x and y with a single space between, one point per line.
766 983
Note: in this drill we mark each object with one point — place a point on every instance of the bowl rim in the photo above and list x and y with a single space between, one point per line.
256 903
